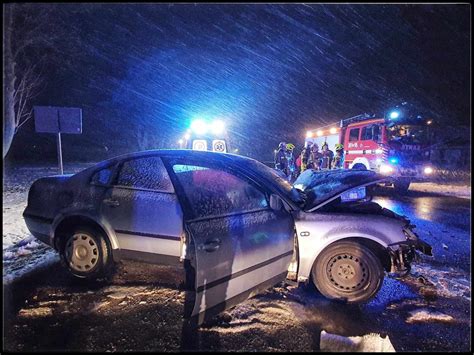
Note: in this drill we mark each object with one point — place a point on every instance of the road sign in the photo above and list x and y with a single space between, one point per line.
50 119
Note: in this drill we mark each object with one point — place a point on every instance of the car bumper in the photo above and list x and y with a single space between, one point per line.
40 227
402 254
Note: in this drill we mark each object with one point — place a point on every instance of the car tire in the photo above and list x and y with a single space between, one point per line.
348 271
87 254
401 186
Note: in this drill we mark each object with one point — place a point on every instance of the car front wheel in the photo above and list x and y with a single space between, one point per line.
348 271
87 254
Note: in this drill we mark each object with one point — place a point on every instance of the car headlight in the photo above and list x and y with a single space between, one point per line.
428 170
386 169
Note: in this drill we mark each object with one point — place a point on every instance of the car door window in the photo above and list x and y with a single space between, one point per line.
102 176
146 173
213 192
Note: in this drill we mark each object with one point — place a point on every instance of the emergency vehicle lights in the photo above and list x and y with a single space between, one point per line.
386 169
180 142
428 170
217 127
309 134
187 136
333 130
393 160
199 126
394 115
319 133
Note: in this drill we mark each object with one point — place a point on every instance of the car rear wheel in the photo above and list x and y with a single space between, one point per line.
87 254
348 271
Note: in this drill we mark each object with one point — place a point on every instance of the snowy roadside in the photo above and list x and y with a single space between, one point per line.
461 191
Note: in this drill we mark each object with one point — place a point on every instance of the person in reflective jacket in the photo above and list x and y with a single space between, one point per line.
281 161
326 156
338 160
315 158
305 156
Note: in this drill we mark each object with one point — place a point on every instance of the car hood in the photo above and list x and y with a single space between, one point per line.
321 187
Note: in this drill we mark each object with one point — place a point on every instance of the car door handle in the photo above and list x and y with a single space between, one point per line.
211 245
111 203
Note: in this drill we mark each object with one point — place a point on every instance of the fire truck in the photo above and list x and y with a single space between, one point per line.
396 144
204 135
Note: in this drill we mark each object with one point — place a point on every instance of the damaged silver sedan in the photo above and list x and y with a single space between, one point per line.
232 223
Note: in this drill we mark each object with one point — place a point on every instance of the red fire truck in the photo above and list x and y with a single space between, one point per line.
395 145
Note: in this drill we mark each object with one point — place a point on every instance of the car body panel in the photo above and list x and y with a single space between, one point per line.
235 252
317 230
144 221
255 247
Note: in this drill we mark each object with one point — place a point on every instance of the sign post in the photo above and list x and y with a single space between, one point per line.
49 119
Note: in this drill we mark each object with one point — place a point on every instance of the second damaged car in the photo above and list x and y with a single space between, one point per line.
234 224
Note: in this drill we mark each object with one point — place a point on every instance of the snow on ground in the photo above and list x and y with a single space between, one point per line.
448 282
462 191
427 315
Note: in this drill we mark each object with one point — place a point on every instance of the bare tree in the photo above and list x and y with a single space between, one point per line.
24 34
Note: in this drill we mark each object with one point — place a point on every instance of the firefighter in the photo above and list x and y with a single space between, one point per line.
315 158
305 155
326 156
338 160
290 160
281 162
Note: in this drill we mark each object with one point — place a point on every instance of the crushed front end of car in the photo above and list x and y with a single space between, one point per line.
403 253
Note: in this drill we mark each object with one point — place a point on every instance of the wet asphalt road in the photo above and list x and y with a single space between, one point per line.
140 307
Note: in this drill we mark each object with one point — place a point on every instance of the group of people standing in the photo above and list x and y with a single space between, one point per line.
309 158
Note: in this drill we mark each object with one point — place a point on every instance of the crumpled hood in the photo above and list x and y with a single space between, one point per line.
321 187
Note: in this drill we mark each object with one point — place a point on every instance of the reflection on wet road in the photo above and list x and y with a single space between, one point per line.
449 211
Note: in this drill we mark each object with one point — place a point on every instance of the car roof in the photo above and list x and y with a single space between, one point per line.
183 153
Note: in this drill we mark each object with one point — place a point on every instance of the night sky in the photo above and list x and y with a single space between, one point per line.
141 72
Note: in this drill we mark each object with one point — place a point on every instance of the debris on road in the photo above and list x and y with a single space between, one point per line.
426 315
366 343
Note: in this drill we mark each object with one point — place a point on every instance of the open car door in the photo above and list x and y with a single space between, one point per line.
238 245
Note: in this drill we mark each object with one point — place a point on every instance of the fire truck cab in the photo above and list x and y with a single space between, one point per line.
397 148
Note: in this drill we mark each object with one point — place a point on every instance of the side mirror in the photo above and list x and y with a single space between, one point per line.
275 202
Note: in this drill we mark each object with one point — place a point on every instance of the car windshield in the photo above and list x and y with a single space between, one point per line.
321 186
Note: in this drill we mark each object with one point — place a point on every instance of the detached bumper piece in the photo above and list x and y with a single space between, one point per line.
403 253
